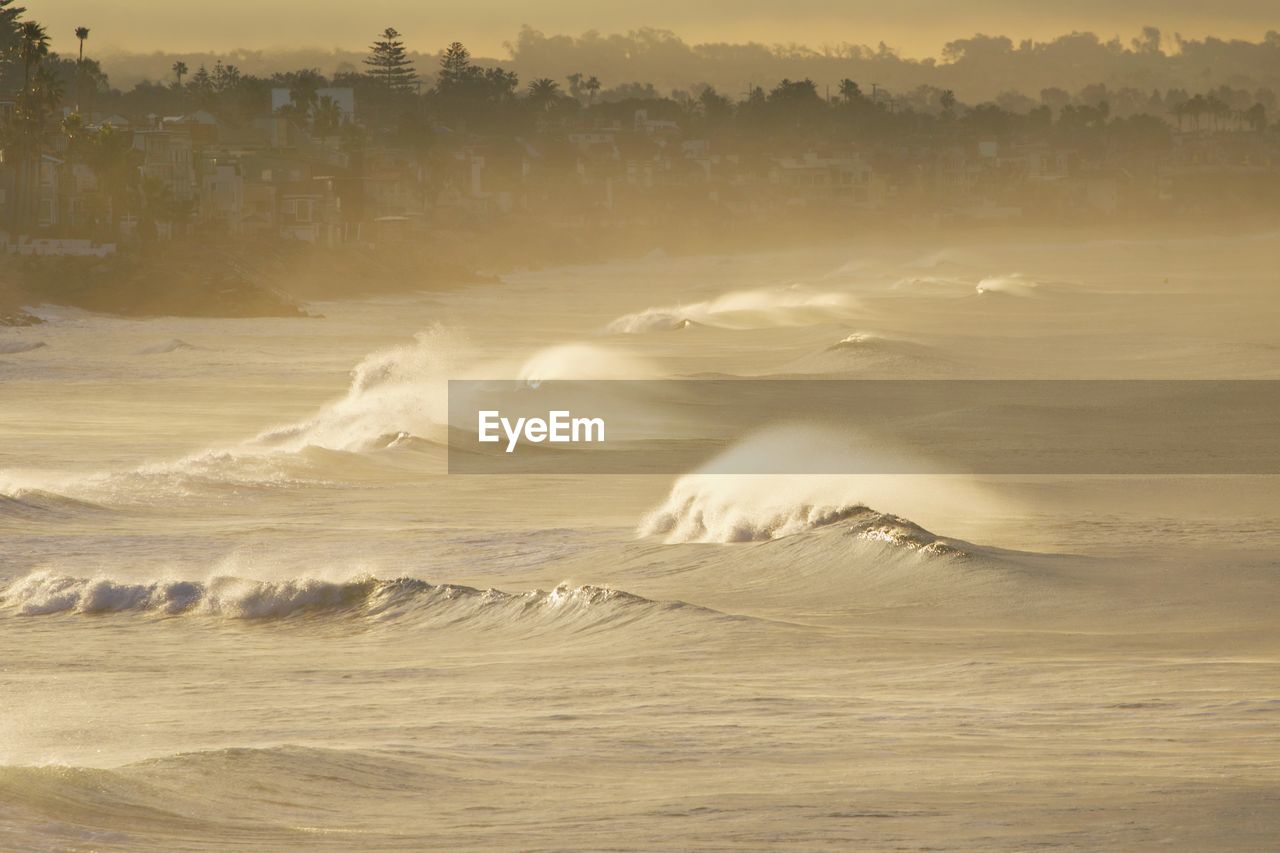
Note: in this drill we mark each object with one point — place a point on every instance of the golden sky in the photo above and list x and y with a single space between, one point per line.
917 27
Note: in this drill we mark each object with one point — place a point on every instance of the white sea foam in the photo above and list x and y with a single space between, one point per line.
711 505
46 593
743 309
397 390
583 361
1008 285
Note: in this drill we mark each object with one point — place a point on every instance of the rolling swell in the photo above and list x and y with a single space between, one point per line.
37 503
206 794
367 598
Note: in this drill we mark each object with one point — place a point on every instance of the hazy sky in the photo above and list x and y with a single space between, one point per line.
918 27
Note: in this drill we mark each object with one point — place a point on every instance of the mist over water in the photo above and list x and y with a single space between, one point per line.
243 604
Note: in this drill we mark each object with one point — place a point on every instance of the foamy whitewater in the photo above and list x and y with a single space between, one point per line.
243 605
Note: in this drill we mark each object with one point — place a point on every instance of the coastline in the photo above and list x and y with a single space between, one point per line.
268 278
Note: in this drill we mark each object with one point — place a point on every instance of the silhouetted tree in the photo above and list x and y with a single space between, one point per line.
947 100
850 91
1055 98
389 63
326 117
1256 116
715 107
10 24
33 46
111 155
1149 42
456 69
179 70
82 34
225 77
303 95
544 93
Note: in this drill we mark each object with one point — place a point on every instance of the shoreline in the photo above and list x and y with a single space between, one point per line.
239 278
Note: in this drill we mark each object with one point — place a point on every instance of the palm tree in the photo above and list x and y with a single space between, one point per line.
82 33
47 90
592 86
543 92
28 127
180 69
33 46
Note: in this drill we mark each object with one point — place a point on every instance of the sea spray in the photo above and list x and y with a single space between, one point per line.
743 309
47 593
711 506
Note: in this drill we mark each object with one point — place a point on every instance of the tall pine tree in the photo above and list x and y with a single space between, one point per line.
389 64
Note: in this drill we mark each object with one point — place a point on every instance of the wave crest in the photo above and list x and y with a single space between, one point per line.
691 522
726 509
402 389
743 309
46 593
1007 285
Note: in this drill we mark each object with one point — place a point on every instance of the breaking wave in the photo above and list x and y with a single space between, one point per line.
1007 285
743 309
404 391
398 390
45 593
715 505
172 345
701 511
397 399
582 361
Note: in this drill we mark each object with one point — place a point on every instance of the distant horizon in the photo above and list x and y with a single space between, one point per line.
503 52
148 26
128 67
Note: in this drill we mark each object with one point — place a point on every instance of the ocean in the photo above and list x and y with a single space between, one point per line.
243 604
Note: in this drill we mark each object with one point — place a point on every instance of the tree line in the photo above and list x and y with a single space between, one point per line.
431 109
